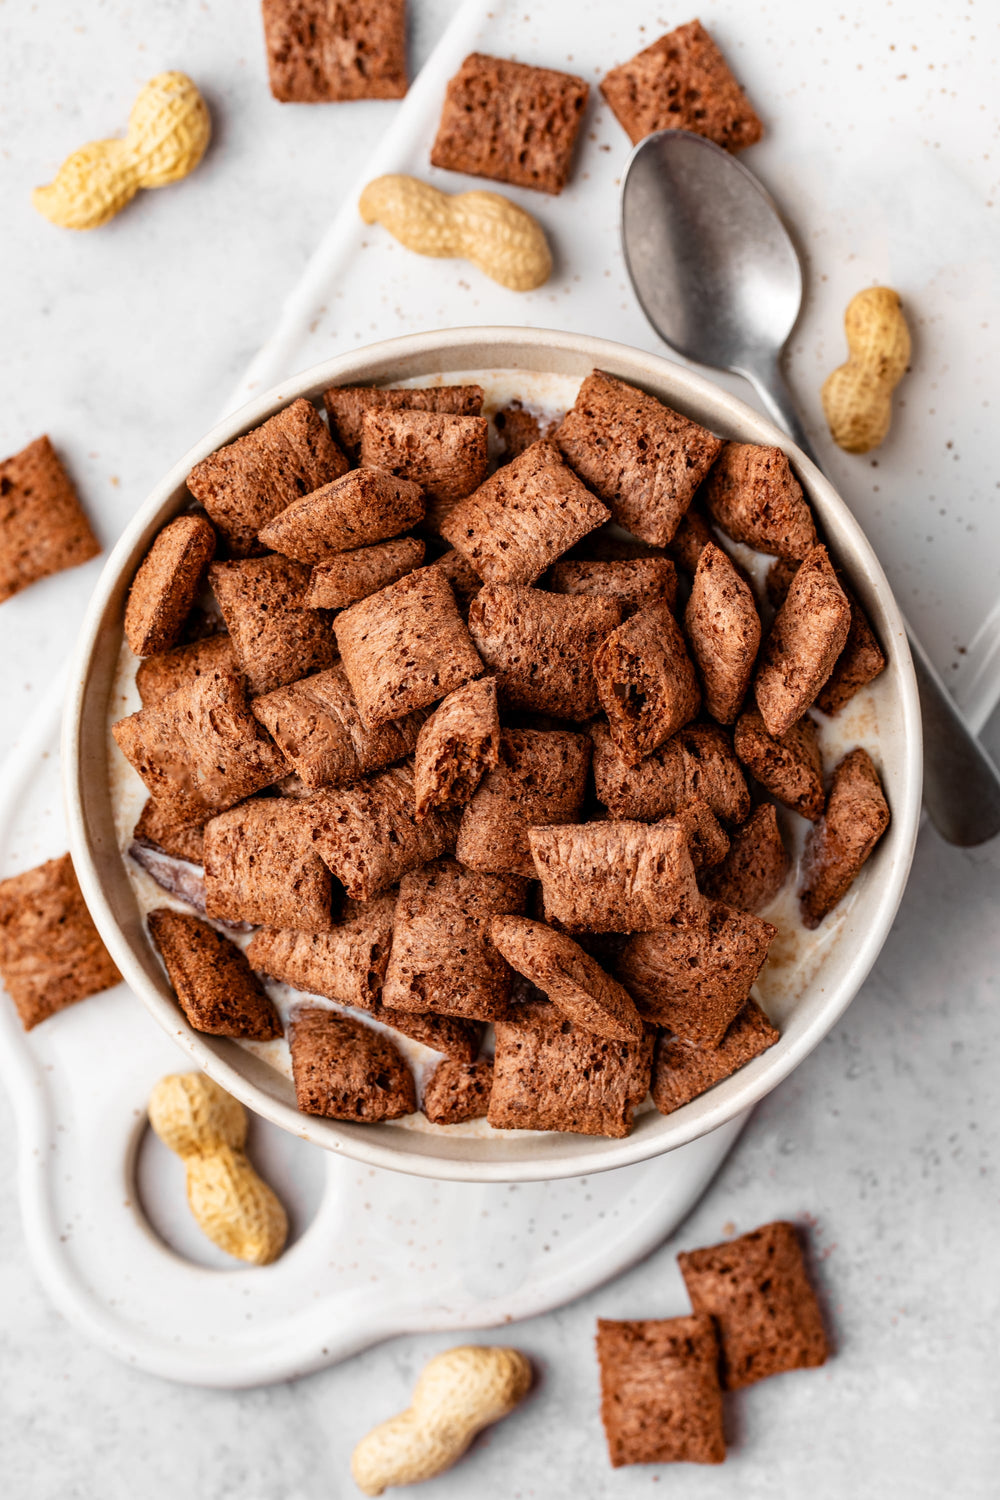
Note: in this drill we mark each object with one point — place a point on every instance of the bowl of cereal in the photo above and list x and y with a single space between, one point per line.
494 755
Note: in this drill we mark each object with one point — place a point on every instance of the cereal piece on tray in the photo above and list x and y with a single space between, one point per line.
549 1074
346 1070
695 979
216 988
683 1071
158 676
660 1395
724 630
698 761
346 964
343 580
368 833
708 841
157 832
808 634
860 662
517 428
540 778
261 867
789 766
456 746
319 53
682 82
838 845
354 511
646 681
318 727
574 982
249 482
200 750
510 122
756 1290
167 583
458 1091
465 582
442 958
445 455
276 637
522 518
634 582
43 528
644 460
51 954
689 541
541 646
347 404
615 877
405 647
755 498
756 866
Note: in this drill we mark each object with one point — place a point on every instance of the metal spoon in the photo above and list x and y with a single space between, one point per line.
717 275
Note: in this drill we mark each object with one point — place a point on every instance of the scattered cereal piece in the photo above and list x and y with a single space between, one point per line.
540 778
754 870
276 637
856 817
167 583
353 511
574 982
755 498
756 1290
261 867
215 986
343 580
634 582
510 122
683 1071
808 634
698 761
347 404
615 877
156 677
346 1070
157 832
724 630
789 766
51 954
43 528
458 1091
319 53
456 746
346 964
660 1395
646 681
445 455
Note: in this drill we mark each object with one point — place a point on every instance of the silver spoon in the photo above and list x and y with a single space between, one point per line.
717 275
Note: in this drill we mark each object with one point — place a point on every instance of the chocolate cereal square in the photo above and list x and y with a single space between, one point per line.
346 1070
200 750
682 82
694 979
456 746
346 964
856 817
154 831
682 1071
756 1290
458 1091
808 634
634 582
215 986
347 404
644 460
789 766
510 122
353 511
615 877
249 482
261 867
276 637
660 1396
342 581
168 582
445 455
368 833
442 958
646 682
541 647
405 647
569 977
156 677
753 871
525 516
43 528
549 1074
697 762
540 778
754 497
51 954
316 724
723 627
319 52
860 662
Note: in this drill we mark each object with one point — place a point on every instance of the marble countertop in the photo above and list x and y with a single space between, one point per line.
884 1141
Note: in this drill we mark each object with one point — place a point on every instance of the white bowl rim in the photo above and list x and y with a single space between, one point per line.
509 347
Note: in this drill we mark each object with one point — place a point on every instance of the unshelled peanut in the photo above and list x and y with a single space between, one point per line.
857 397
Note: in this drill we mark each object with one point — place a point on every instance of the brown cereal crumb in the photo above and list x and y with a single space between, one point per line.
518 428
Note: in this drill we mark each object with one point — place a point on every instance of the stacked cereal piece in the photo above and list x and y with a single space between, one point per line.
494 774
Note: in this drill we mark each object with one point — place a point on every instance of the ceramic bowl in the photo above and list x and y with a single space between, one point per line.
845 952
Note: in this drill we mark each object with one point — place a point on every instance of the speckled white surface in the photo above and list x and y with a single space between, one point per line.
125 344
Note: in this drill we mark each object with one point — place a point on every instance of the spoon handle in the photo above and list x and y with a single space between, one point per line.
961 783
